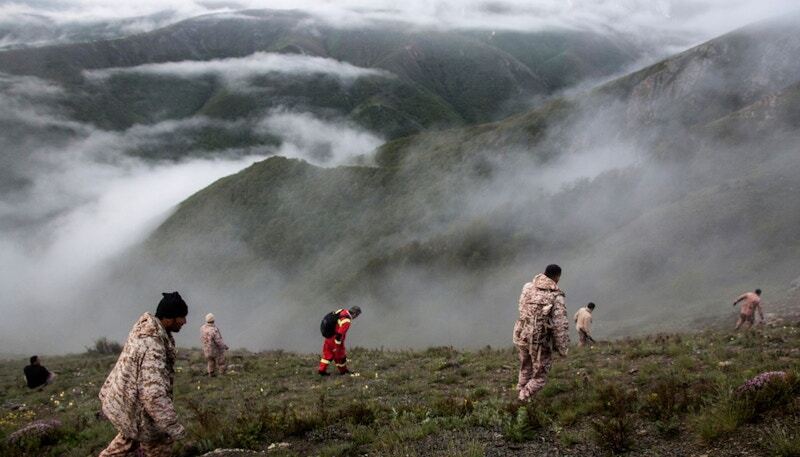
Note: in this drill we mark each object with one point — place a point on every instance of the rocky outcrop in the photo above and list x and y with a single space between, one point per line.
46 431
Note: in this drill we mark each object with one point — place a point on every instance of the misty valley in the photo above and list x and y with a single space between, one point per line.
421 163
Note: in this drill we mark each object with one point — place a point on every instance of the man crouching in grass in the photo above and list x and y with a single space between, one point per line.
137 396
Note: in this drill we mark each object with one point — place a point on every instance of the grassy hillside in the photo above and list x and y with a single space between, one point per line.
667 394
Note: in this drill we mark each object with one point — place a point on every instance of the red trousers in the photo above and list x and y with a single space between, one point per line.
332 352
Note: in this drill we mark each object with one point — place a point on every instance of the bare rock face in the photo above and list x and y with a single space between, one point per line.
46 431
716 78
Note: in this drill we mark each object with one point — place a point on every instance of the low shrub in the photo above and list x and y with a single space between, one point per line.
451 406
104 346
614 428
736 407
358 413
521 425
667 398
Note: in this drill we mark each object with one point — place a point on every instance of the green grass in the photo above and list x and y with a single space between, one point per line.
783 441
445 402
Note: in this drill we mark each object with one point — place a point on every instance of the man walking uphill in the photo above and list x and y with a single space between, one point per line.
583 324
213 346
137 396
751 302
334 328
542 327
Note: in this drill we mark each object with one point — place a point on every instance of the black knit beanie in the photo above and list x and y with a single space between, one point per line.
171 306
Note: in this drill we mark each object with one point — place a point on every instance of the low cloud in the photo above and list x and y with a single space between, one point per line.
74 200
238 71
318 141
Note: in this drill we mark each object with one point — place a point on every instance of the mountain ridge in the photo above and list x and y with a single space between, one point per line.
421 213
469 72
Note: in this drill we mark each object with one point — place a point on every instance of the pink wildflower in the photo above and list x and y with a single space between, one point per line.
761 380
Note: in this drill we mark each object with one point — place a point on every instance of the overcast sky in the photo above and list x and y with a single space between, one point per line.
693 19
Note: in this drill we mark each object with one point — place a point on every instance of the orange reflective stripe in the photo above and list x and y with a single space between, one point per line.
326 362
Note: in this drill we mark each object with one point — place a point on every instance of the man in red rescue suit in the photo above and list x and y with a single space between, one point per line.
333 348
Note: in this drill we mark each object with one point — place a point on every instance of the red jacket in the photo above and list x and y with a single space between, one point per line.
342 326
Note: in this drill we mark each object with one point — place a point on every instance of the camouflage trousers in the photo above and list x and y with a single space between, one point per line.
583 338
533 369
216 363
126 447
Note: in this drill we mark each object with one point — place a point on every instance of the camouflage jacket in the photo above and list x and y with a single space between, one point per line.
542 316
211 338
137 395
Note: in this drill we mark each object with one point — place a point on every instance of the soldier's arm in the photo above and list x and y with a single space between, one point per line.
218 340
561 326
341 329
155 392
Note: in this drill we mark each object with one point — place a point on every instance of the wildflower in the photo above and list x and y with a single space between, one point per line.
761 380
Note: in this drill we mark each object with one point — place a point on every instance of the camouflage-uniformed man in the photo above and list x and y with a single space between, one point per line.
137 395
751 302
213 346
541 328
583 324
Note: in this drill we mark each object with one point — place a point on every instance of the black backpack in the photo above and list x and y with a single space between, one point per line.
328 324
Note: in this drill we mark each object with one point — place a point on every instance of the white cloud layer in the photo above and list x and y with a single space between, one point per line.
318 141
238 70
